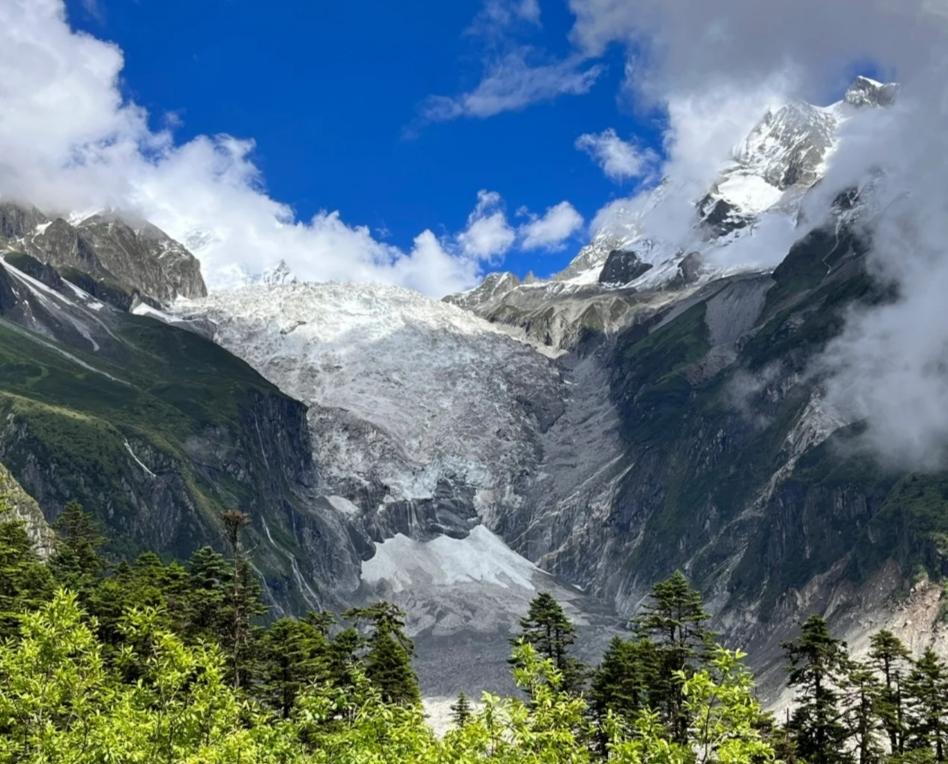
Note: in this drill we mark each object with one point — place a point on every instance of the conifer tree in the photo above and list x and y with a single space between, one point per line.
76 563
209 587
865 692
623 679
244 601
461 711
817 669
388 660
291 655
547 628
926 696
25 582
146 582
674 621
890 658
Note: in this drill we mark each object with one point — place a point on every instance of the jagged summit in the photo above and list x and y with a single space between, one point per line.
762 185
866 91
115 251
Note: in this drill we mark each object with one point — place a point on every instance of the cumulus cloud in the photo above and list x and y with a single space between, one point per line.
512 83
620 160
70 142
552 229
713 68
488 234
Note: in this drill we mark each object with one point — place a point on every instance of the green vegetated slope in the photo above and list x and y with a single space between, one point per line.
156 430
709 426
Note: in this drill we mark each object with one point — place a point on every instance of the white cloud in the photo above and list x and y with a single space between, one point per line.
512 83
715 67
551 230
68 141
496 15
619 159
488 234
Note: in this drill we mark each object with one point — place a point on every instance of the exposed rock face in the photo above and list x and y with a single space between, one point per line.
621 267
24 507
17 221
491 289
868 92
134 258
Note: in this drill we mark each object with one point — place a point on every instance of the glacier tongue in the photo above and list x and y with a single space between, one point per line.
405 392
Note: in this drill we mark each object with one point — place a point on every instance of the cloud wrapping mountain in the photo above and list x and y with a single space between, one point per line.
712 67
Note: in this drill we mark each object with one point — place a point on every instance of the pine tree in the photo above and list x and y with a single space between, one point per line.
244 603
674 621
25 582
890 658
291 655
552 634
865 692
926 697
817 665
388 660
209 587
147 582
623 679
76 563
343 657
461 711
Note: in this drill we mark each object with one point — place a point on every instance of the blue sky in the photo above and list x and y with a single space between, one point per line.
332 94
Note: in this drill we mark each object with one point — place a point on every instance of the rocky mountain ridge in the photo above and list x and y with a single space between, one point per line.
121 260
655 406
761 189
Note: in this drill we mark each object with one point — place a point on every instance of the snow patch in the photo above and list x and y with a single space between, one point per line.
749 193
481 557
343 505
144 309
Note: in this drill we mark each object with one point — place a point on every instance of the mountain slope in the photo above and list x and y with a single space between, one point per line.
124 260
666 242
156 430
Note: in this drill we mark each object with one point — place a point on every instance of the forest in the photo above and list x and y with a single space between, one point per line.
163 661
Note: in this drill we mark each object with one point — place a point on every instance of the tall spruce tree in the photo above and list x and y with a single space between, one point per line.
547 628
818 663
865 691
624 678
926 696
891 659
244 603
25 582
76 562
673 620
291 654
461 711
388 660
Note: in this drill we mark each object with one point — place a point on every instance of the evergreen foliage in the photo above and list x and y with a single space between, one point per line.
550 632
673 623
25 582
889 657
154 661
461 710
818 670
